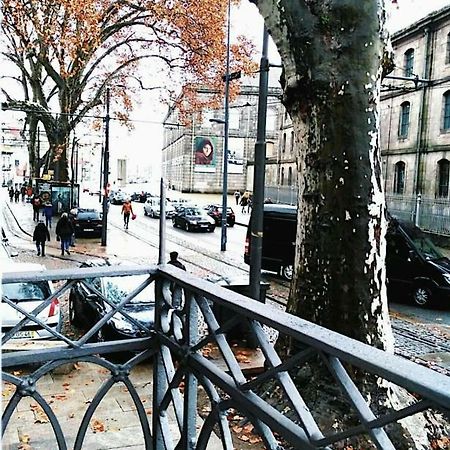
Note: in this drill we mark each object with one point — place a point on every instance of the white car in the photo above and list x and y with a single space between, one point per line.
118 197
152 208
28 296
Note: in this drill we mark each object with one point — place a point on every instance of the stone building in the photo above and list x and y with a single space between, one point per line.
415 114
183 164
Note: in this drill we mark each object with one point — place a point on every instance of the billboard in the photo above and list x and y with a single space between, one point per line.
204 154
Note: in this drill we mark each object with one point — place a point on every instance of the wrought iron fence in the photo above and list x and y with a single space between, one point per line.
192 352
430 214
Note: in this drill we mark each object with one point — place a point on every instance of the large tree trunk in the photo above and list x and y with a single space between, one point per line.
332 52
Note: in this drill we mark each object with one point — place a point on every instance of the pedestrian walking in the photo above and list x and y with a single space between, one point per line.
11 194
244 201
36 202
64 231
40 236
48 214
29 193
249 203
237 196
23 192
177 292
127 210
16 195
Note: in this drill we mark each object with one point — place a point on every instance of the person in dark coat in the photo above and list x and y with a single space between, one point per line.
64 230
174 261
40 236
177 292
11 194
16 195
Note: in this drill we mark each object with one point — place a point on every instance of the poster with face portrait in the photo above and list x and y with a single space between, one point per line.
204 154
235 155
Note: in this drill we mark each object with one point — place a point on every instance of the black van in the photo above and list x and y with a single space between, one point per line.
279 234
415 266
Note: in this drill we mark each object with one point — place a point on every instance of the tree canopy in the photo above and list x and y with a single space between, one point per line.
67 53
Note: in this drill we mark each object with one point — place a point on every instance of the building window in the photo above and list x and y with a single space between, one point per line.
404 119
283 144
399 178
292 141
447 111
443 176
282 176
409 63
290 176
447 51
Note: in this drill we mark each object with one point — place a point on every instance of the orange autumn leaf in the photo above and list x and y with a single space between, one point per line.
97 426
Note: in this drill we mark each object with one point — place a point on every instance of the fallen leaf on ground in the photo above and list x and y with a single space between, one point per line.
39 414
97 426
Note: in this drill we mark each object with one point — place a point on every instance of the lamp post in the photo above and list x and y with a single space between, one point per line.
105 172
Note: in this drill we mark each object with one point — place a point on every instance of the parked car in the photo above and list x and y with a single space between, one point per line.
86 307
178 203
87 221
152 208
193 218
415 267
118 197
28 296
140 197
215 211
278 245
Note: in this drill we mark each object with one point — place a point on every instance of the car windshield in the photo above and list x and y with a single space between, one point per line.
426 247
117 288
38 290
88 214
194 212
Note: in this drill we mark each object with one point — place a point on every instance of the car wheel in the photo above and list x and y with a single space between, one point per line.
74 315
422 296
174 223
145 212
187 227
287 272
231 224
152 214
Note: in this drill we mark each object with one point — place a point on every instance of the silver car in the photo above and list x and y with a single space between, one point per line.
28 296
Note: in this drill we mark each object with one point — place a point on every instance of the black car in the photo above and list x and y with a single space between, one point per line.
86 221
415 267
86 307
193 218
215 211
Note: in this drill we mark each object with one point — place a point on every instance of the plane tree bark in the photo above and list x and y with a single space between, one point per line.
333 55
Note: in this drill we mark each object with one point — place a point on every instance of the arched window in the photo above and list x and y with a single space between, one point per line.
290 176
282 176
447 50
446 123
404 119
409 63
399 178
443 177
292 141
283 144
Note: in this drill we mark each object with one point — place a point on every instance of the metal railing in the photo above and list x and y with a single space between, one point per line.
430 214
187 326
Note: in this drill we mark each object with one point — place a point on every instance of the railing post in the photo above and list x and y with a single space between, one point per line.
162 223
189 436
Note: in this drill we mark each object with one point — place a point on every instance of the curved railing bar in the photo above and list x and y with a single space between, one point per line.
211 420
8 411
104 389
141 413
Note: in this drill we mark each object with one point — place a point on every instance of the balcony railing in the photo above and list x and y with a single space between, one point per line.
187 329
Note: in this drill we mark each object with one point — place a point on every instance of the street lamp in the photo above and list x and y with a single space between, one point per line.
105 173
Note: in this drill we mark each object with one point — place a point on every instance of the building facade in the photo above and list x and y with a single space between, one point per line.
192 156
415 115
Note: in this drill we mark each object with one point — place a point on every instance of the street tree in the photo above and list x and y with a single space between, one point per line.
333 55
67 53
